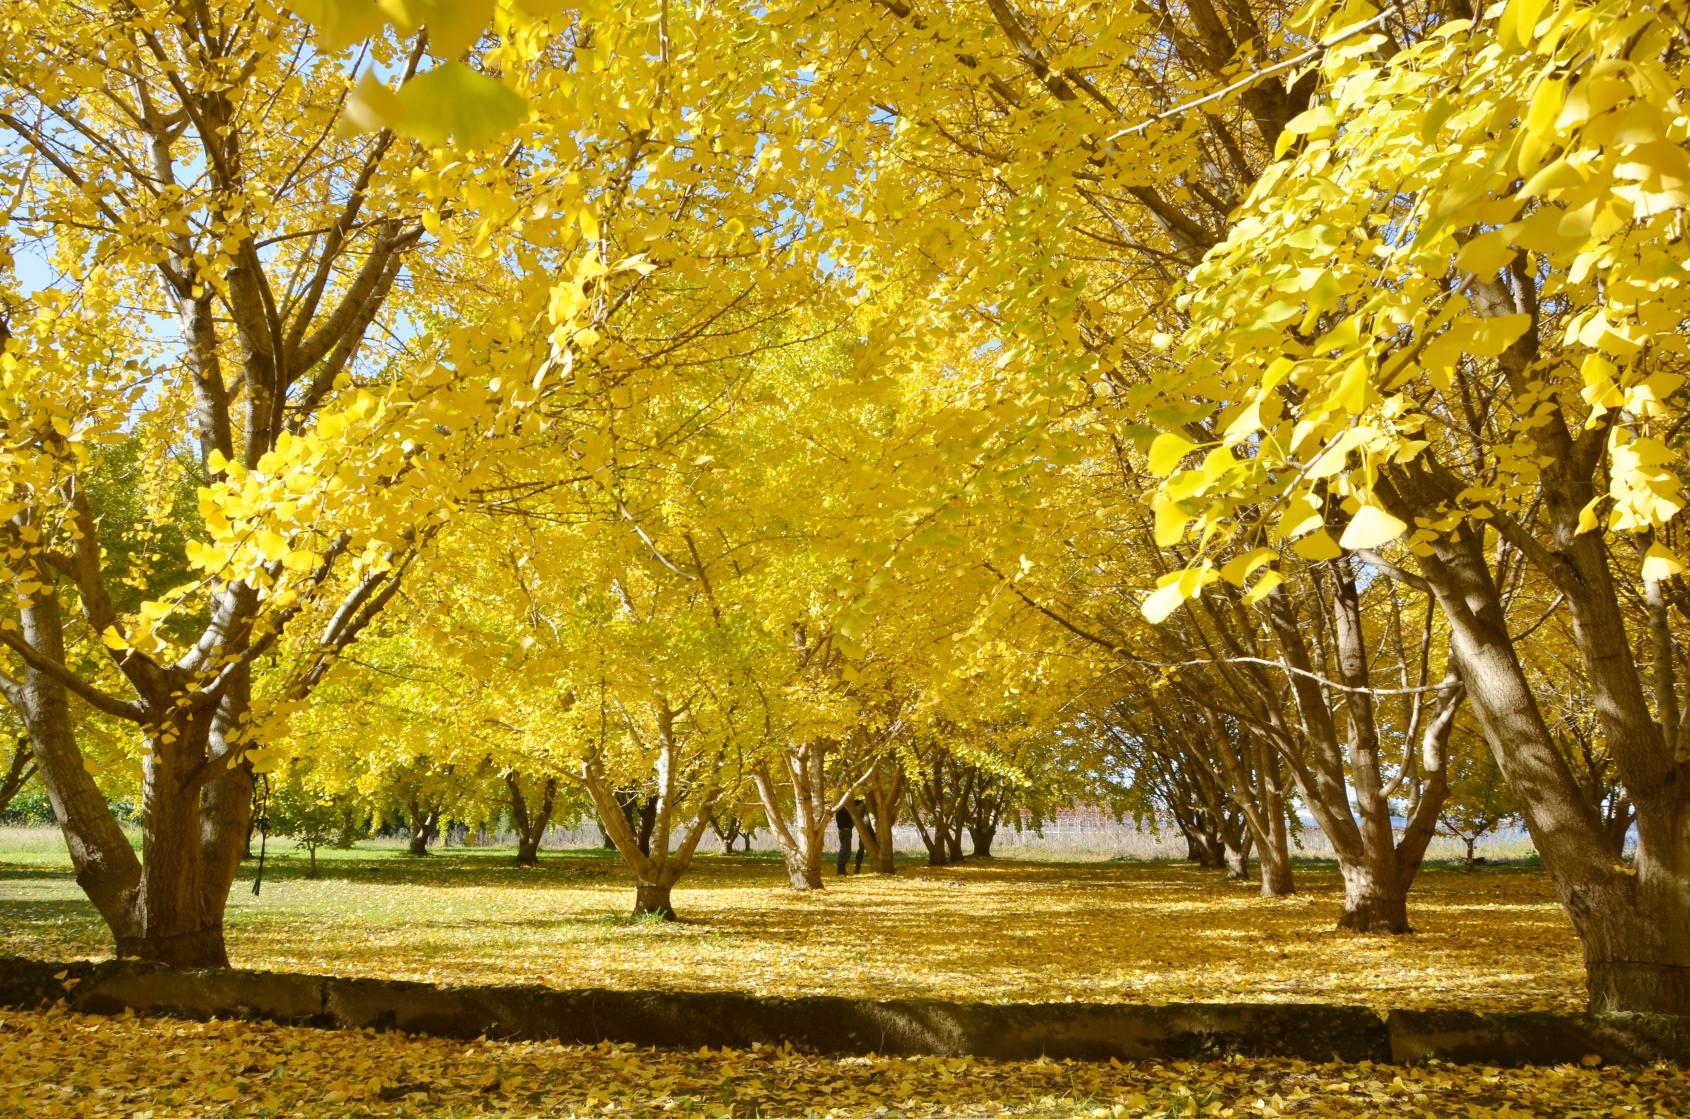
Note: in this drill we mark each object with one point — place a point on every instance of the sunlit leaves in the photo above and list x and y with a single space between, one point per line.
448 102
1370 527
1566 178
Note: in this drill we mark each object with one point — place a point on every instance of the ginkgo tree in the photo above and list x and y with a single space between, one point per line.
218 265
1449 331
204 278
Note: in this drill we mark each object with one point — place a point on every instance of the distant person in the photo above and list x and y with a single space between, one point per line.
843 819
866 834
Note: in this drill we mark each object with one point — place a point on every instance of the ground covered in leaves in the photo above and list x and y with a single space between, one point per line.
58 1064
998 931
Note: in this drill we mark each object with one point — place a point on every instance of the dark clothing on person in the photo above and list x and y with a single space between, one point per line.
843 819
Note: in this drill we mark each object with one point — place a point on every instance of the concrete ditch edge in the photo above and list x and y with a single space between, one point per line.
680 1019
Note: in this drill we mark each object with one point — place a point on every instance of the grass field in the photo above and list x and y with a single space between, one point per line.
1004 930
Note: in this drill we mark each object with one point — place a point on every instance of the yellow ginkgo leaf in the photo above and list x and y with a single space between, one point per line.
1317 546
1166 450
1660 562
1264 587
1371 527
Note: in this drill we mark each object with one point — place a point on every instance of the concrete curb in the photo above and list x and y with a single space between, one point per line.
679 1019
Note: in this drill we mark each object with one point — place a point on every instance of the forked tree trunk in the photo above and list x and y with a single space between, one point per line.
803 862
1251 772
190 851
1377 868
983 810
168 905
883 793
802 838
1375 899
932 838
728 833
530 827
799 845
936 803
424 821
1633 922
660 858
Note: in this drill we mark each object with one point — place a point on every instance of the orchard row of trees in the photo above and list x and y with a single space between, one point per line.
1256 407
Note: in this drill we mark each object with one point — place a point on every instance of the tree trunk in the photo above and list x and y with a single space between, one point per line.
1236 853
530 828
106 866
168 905
883 859
882 796
728 833
799 840
983 810
647 822
226 802
423 826
184 879
311 872
1375 898
650 898
659 859
1377 868
1273 848
18 772
1274 867
803 863
1633 922
931 838
953 844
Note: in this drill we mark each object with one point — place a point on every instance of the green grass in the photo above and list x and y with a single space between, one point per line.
1001 930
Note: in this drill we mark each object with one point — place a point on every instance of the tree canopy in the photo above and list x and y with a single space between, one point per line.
1235 413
